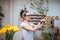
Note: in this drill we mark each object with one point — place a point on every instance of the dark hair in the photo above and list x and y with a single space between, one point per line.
23 13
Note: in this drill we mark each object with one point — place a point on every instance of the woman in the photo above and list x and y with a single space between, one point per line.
28 28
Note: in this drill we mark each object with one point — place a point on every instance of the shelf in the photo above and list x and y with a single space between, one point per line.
36 15
35 19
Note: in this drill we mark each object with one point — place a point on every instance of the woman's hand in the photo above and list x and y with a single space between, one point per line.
44 20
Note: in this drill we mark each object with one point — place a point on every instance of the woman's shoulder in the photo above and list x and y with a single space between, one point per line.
22 24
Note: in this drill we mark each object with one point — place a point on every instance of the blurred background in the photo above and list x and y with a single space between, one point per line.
10 9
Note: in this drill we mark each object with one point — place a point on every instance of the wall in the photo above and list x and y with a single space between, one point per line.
54 7
6 11
16 6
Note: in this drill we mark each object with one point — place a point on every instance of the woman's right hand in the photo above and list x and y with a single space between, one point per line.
44 20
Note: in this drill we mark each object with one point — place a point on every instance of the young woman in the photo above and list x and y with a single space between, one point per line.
28 28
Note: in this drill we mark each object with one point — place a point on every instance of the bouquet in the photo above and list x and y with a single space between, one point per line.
9 31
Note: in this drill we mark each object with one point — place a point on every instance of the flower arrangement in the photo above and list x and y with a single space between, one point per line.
9 31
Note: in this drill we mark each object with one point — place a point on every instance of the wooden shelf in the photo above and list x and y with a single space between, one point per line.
36 18
36 15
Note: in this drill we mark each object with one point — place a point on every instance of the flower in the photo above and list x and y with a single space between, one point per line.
15 29
9 30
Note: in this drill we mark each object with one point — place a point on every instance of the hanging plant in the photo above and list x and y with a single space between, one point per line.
1 14
39 7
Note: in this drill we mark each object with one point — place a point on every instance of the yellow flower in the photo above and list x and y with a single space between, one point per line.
3 30
15 29
8 28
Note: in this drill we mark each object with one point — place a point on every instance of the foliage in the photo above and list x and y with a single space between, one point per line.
49 34
1 14
39 6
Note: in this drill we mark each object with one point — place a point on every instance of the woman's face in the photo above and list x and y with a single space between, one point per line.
27 16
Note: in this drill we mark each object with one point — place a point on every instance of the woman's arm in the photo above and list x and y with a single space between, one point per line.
30 28
42 22
36 26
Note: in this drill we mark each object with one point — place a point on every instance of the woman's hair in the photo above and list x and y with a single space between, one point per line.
23 13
